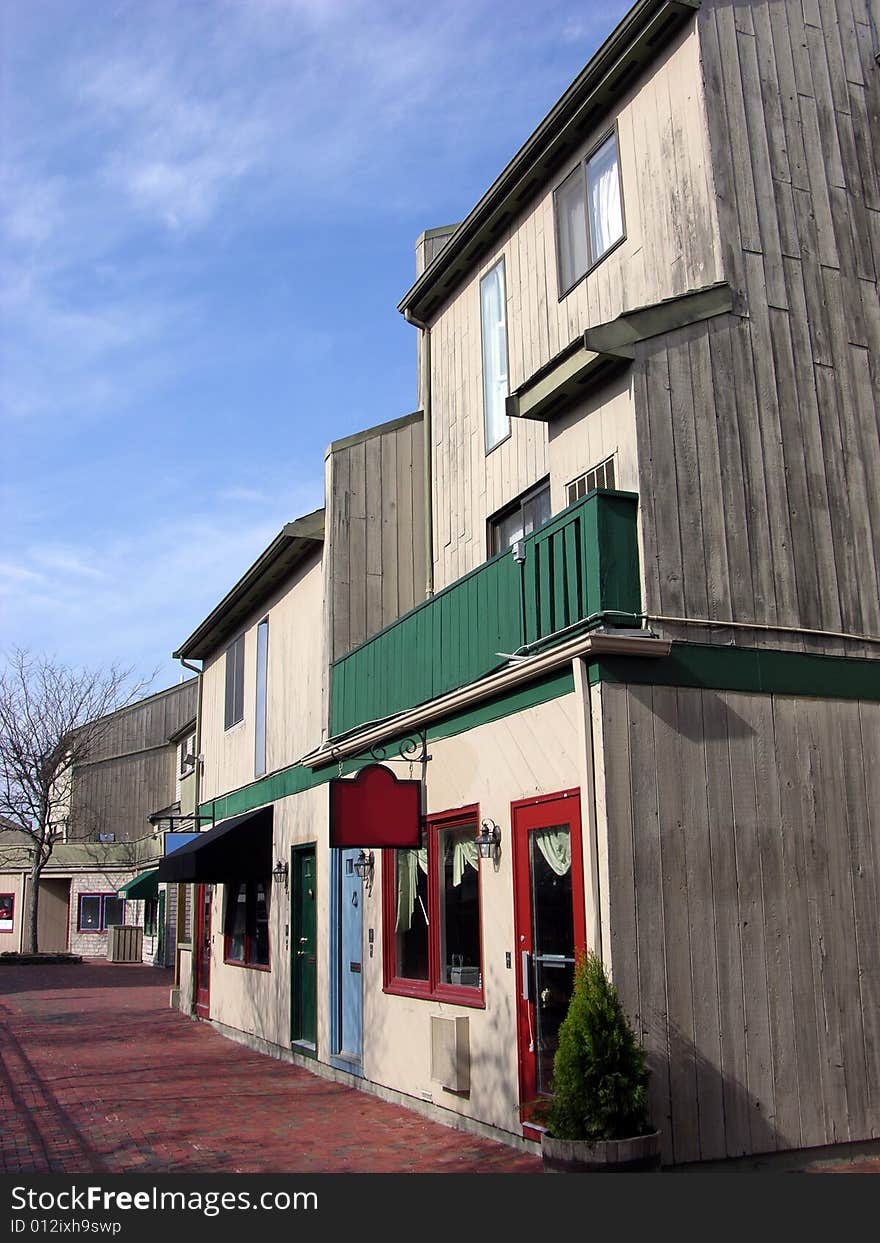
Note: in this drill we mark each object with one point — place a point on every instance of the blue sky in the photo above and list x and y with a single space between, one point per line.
208 210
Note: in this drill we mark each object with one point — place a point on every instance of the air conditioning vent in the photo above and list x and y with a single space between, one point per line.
450 1053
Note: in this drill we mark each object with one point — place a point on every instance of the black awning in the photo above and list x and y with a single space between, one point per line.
236 849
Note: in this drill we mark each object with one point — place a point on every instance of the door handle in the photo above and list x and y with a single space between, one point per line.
526 976
304 940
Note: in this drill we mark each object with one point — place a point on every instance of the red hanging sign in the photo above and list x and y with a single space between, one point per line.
375 810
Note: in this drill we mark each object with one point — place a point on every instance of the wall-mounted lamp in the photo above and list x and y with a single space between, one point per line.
279 875
489 840
364 865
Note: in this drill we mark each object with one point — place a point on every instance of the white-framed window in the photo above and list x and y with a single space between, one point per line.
588 208
234 683
260 703
601 476
493 321
187 755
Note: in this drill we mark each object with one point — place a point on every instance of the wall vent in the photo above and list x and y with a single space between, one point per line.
450 1053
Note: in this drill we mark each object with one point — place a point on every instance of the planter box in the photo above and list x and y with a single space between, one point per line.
641 1153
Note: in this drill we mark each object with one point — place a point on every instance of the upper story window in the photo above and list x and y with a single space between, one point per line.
431 900
493 319
187 755
515 521
589 213
234 683
260 704
601 476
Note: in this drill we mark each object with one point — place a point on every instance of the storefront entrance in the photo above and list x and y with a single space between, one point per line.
204 903
304 992
550 929
347 906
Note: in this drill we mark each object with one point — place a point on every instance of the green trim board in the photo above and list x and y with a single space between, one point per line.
762 671
298 777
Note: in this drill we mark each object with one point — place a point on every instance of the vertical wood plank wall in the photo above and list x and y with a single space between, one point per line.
759 437
744 841
133 769
672 244
374 543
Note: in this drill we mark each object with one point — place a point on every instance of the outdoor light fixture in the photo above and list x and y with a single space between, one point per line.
489 840
364 865
279 875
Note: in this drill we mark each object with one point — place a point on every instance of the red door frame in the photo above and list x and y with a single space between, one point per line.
527 814
204 942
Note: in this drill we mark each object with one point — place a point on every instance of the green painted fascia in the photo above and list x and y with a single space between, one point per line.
763 671
298 777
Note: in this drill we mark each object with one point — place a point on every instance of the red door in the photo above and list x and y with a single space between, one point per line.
204 900
550 930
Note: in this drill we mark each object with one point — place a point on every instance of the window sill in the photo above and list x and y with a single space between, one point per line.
499 443
472 998
248 966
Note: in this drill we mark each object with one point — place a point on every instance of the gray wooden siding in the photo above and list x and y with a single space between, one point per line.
374 543
743 845
672 245
759 437
133 769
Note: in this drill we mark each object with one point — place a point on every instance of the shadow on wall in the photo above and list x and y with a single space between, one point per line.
703 1113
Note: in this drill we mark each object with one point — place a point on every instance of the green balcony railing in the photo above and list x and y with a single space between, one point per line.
580 568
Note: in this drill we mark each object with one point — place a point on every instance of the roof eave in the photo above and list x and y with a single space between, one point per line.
291 546
633 44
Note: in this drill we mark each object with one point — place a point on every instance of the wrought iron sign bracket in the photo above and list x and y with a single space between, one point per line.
410 750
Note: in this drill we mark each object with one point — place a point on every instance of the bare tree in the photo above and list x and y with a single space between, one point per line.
52 718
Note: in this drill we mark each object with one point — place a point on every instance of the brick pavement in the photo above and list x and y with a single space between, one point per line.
99 1075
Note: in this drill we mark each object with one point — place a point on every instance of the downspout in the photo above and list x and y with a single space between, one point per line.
427 465
196 803
590 838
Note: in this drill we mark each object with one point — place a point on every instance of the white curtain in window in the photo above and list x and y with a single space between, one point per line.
494 324
555 846
464 854
606 215
408 864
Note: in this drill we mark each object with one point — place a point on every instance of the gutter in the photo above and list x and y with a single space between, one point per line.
427 433
526 669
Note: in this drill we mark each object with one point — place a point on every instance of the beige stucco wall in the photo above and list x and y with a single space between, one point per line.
535 752
539 751
257 1001
293 708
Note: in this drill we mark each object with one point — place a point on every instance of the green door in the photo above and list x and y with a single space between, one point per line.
304 989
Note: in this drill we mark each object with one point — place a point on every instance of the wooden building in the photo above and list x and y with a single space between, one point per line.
91 881
639 657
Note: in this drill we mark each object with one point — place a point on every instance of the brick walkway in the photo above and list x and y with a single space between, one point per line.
98 1075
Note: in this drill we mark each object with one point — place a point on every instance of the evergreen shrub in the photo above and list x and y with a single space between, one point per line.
600 1078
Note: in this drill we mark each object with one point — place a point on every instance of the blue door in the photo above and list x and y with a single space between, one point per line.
348 1042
